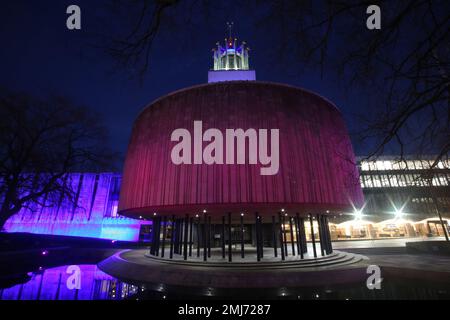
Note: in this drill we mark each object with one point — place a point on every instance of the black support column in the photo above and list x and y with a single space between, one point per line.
330 246
209 237
176 236
285 236
172 236
321 234
186 226
205 241
191 221
163 246
223 237
280 221
313 239
230 258
261 237
180 236
274 237
242 236
292 235
198 236
299 236
303 235
257 238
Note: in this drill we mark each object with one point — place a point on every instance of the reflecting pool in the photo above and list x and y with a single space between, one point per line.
70 282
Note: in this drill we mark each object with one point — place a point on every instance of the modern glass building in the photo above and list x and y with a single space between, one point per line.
403 198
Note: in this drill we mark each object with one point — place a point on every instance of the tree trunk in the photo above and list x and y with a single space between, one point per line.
5 213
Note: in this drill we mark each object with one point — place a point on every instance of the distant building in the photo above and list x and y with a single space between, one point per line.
389 184
94 216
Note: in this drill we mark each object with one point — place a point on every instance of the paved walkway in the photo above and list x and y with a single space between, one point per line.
379 243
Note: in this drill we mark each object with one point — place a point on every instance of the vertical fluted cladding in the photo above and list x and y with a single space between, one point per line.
317 167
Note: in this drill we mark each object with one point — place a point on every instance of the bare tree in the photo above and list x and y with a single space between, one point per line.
42 141
134 48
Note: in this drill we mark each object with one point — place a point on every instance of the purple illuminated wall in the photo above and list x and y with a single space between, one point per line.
52 284
95 217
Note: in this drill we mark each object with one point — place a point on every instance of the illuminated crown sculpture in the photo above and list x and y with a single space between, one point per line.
231 61
231 57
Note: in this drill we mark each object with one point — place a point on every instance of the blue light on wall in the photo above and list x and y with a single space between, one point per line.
95 215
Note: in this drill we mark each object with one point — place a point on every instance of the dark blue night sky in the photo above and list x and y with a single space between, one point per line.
39 55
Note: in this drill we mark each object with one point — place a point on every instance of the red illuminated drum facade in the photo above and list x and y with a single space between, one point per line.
317 170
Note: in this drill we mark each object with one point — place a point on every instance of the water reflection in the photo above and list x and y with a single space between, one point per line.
87 282
75 282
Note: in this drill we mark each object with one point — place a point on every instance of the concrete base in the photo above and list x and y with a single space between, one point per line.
133 266
433 247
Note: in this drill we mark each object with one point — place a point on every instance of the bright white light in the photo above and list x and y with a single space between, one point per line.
358 214
204 210
399 213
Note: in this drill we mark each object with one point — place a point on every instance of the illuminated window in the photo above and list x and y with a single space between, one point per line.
394 181
365 166
114 207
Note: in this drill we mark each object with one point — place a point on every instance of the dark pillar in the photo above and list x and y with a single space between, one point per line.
186 225
284 236
274 237
229 238
191 221
324 234
321 234
303 235
198 237
223 237
152 245
261 237
180 242
330 246
158 235
172 235
176 236
313 239
163 247
280 221
205 241
257 238
209 237
299 235
292 235
242 237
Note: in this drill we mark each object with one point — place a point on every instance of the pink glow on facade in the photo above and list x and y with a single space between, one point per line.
317 166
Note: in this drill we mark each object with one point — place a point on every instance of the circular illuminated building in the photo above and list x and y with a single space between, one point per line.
239 170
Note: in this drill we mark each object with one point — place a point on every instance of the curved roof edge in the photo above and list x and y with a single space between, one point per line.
234 82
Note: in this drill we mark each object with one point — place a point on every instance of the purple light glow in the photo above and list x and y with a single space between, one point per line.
95 217
52 284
